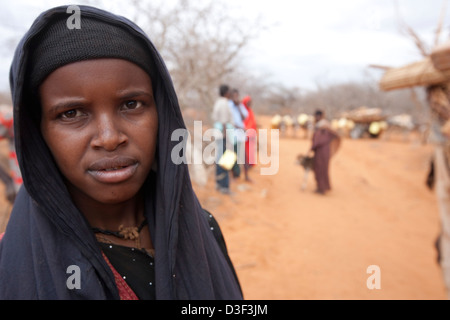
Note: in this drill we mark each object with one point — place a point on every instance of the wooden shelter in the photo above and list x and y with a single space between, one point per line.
433 73
421 73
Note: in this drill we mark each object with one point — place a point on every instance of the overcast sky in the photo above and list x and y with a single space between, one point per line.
308 42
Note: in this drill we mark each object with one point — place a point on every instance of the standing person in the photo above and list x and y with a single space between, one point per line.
105 212
324 144
223 120
250 133
239 114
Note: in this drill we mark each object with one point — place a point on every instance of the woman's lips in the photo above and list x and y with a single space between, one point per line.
113 170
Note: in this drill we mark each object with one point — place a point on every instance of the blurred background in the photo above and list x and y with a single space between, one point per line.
377 69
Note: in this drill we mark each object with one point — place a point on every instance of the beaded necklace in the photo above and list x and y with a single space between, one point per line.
126 233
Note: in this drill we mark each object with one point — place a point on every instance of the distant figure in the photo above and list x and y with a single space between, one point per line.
325 143
239 115
306 124
276 122
250 142
222 118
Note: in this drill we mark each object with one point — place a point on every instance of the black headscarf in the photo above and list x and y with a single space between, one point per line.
46 232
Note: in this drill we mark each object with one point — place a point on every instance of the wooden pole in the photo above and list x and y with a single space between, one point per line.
443 196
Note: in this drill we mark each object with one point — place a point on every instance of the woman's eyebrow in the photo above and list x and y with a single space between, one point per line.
65 105
129 94
70 103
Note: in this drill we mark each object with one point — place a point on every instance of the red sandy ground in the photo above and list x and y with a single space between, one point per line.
292 244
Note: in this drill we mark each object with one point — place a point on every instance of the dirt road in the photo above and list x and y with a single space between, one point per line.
292 244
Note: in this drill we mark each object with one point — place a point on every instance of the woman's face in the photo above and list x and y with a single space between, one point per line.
100 122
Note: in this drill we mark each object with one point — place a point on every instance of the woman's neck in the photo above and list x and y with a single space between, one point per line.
110 216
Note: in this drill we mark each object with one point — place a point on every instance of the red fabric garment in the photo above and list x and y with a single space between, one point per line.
125 291
250 123
15 174
6 122
6 125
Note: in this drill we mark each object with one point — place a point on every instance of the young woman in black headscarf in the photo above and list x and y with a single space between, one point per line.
104 212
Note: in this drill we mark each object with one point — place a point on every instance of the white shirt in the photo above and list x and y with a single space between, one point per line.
221 112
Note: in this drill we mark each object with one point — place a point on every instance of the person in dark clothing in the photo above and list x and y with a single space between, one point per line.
324 144
104 212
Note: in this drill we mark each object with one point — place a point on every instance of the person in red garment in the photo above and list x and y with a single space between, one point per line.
251 133
12 178
325 143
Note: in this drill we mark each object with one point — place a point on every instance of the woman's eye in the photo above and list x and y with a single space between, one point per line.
132 104
70 114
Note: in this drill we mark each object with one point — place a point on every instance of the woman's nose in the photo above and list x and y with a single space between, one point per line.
108 134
